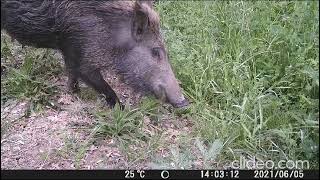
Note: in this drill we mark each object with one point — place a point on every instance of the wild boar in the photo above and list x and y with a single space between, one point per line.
93 35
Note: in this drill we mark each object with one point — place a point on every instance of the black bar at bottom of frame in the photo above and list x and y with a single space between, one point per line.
159 174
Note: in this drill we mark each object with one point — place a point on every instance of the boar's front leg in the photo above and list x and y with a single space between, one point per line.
73 83
77 67
72 64
72 70
93 78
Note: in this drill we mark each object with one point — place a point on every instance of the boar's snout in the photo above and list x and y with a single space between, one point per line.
170 92
181 104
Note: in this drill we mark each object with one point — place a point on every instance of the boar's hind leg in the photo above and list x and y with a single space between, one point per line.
95 80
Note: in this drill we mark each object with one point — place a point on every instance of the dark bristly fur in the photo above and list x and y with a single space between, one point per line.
94 35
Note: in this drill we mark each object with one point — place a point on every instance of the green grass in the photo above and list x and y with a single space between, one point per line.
250 68
255 74
117 122
27 78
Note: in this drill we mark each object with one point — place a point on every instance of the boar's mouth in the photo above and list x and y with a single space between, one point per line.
176 99
181 104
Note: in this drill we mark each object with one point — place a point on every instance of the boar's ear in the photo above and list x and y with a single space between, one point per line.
140 24
143 14
148 2
140 21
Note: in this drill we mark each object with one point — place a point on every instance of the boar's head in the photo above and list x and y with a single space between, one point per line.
144 58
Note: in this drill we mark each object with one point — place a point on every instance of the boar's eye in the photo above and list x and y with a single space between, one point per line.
156 52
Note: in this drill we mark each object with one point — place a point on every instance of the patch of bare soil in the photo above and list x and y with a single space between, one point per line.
61 138
53 139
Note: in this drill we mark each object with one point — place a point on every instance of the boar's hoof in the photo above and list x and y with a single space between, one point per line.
181 104
73 86
122 106
111 102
